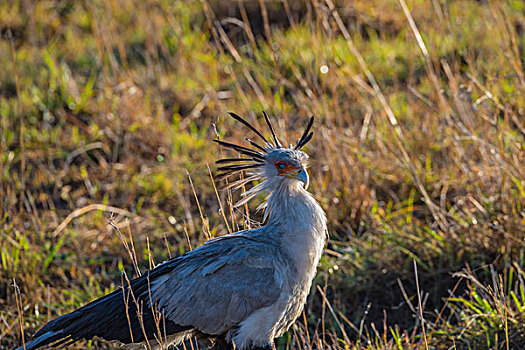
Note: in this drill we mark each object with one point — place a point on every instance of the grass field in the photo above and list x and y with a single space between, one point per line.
108 109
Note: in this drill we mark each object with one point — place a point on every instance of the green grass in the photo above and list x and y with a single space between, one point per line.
112 104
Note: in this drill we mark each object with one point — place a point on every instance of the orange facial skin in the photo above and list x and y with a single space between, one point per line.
284 168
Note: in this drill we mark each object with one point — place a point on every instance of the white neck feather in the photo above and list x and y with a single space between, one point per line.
300 223
288 203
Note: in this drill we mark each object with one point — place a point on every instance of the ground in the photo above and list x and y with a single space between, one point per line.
108 109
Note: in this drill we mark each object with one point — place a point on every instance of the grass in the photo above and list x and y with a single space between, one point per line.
107 106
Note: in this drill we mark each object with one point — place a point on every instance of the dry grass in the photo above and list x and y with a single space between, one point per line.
106 106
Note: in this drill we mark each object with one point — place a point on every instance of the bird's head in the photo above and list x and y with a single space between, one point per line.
288 164
268 161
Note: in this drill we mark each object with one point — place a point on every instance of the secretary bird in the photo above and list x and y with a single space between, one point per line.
242 290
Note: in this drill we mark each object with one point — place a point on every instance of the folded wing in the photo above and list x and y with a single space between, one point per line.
219 285
210 290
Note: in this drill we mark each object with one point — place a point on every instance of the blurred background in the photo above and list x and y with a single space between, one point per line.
108 109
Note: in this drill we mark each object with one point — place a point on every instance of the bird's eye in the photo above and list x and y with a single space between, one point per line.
281 165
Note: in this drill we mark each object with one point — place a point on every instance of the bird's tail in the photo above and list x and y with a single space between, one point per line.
124 315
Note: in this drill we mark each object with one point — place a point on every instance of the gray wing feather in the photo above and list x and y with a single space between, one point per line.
219 284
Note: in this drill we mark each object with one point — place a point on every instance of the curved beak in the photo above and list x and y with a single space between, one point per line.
300 175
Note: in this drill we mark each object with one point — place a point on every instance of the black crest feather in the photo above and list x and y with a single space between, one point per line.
306 135
241 149
277 144
251 127
256 155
